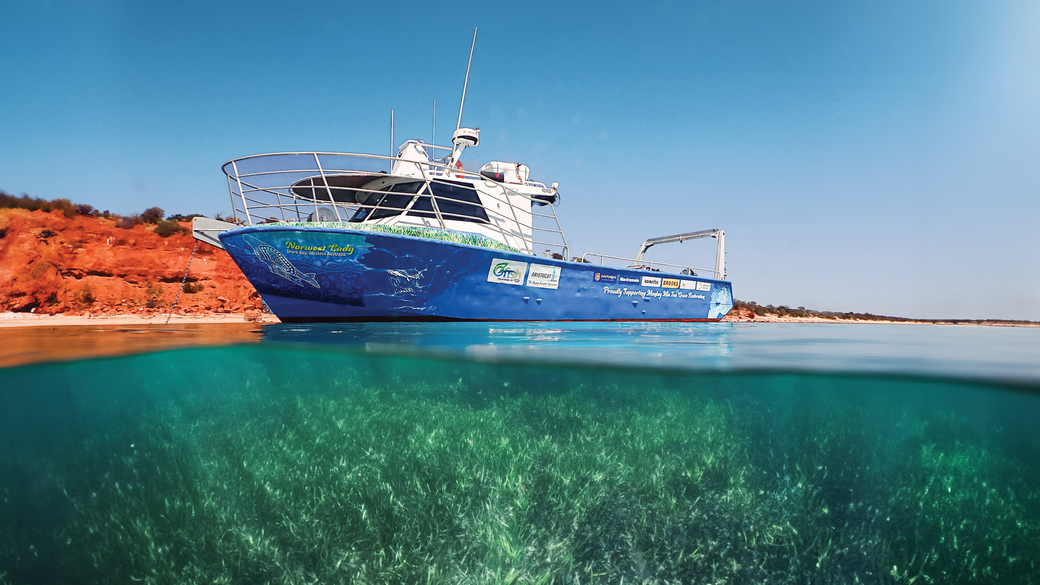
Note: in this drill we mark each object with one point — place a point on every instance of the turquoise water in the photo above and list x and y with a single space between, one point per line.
529 453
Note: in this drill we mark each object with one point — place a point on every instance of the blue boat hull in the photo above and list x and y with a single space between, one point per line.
320 273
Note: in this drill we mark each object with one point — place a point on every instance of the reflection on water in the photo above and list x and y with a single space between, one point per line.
387 454
965 352
962 352
24 345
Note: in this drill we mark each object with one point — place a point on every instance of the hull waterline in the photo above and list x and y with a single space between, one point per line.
312 274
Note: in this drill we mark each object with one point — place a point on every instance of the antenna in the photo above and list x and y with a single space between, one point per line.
391 139
434 141
459 125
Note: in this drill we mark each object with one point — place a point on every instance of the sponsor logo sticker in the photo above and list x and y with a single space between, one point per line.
670 282
703 286
507 272
651 281
628 279
688 284
600 277
544 276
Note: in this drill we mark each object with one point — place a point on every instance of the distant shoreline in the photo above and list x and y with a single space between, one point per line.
35 320
72 266
788 319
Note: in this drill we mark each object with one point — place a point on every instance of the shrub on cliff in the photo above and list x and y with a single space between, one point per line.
129 222
35 203
85 297
23 202
167 228
153 293
153 215
65 206
189 217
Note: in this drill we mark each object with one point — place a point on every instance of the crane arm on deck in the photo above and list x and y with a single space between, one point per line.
720 256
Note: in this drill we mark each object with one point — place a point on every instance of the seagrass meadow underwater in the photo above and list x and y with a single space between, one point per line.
526 453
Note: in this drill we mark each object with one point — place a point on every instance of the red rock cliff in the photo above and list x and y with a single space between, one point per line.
53 264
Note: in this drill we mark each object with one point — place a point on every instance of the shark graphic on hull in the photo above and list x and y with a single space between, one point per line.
279 264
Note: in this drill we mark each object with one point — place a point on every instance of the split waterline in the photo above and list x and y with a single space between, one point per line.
526 453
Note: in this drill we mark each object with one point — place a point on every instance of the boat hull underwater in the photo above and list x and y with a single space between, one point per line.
311 273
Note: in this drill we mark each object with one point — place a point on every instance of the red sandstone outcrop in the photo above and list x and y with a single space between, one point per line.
53 264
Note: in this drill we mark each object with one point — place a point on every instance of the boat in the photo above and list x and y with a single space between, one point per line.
417 237
329 237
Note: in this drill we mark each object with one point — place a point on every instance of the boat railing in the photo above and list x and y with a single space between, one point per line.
319 186
638 263
564 249
551 222
648 265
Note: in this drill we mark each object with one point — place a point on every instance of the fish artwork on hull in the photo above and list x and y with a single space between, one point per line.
279 264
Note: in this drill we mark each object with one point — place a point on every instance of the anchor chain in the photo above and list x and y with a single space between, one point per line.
183 281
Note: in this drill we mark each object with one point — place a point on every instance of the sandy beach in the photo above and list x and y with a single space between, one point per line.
743 317
33 320
29 338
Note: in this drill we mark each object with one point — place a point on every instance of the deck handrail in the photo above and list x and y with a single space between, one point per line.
271 192
649 265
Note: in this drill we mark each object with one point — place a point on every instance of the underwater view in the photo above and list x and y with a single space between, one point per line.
522 453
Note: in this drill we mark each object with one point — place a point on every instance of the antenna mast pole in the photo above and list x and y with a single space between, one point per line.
459 125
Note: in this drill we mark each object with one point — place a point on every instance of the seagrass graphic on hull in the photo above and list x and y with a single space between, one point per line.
373 275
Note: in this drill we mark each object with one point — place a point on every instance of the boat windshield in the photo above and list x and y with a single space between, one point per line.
388 204
455 201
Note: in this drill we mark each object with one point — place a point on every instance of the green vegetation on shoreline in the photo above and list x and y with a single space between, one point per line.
803 313
151 216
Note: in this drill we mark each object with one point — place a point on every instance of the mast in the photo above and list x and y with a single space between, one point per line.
464 137
461 105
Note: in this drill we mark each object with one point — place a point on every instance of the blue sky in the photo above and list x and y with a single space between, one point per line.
875 157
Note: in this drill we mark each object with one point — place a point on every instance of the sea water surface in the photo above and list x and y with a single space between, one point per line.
520 453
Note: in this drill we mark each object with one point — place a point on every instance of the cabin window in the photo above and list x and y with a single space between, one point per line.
388 204
456 202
